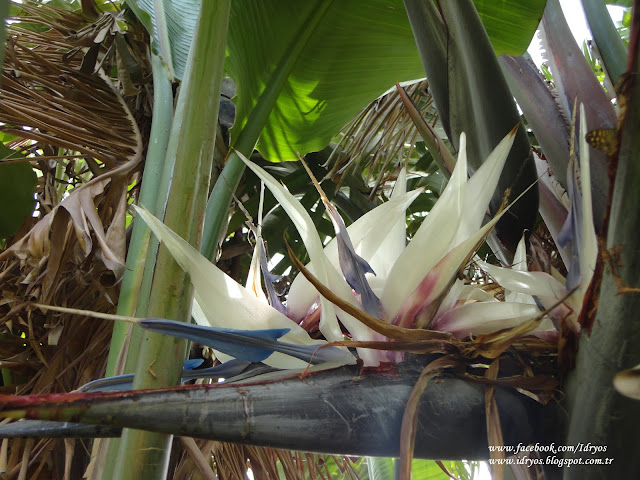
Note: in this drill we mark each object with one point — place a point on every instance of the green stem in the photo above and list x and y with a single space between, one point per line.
122 354
158 140
597 413
144 455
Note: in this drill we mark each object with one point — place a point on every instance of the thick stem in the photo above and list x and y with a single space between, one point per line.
144 455
341 411
158 140
598 414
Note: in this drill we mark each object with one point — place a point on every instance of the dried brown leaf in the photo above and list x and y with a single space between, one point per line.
494 430
410 417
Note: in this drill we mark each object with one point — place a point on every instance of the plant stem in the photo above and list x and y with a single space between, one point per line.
159 138
144 455
597 413
123 353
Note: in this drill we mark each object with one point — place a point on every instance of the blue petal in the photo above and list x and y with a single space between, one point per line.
269 279
249 345
125 382
226 370
109 384
353 266
192 363
571 230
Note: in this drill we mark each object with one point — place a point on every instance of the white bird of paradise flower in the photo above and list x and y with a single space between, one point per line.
415 284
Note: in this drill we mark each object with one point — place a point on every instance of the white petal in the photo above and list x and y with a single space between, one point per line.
307 230
225 303
484 317
540 284
439 278
588 238
480 189
520 265
254 277
368 234
383 258
301 298
430 243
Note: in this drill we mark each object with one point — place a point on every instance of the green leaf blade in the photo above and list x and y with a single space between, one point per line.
17 185
356 52
353 55
510 24
171 24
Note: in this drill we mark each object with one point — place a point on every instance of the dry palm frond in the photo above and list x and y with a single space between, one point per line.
230 461
71 122
376 138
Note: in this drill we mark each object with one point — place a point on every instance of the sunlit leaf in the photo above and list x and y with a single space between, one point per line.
368 45
510 24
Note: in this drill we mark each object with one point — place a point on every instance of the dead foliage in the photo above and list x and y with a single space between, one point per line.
375 140
75 127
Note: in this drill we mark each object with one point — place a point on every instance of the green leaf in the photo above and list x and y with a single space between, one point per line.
379 468
612 49
356 52
622 3
171 24
17 186
510 24
302 73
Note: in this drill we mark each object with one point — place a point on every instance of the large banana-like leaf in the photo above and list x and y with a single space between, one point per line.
303 70
170 24
337 411
357 51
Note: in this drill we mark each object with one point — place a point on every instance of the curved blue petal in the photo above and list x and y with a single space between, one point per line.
353 266
250 345
247 345
125 382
